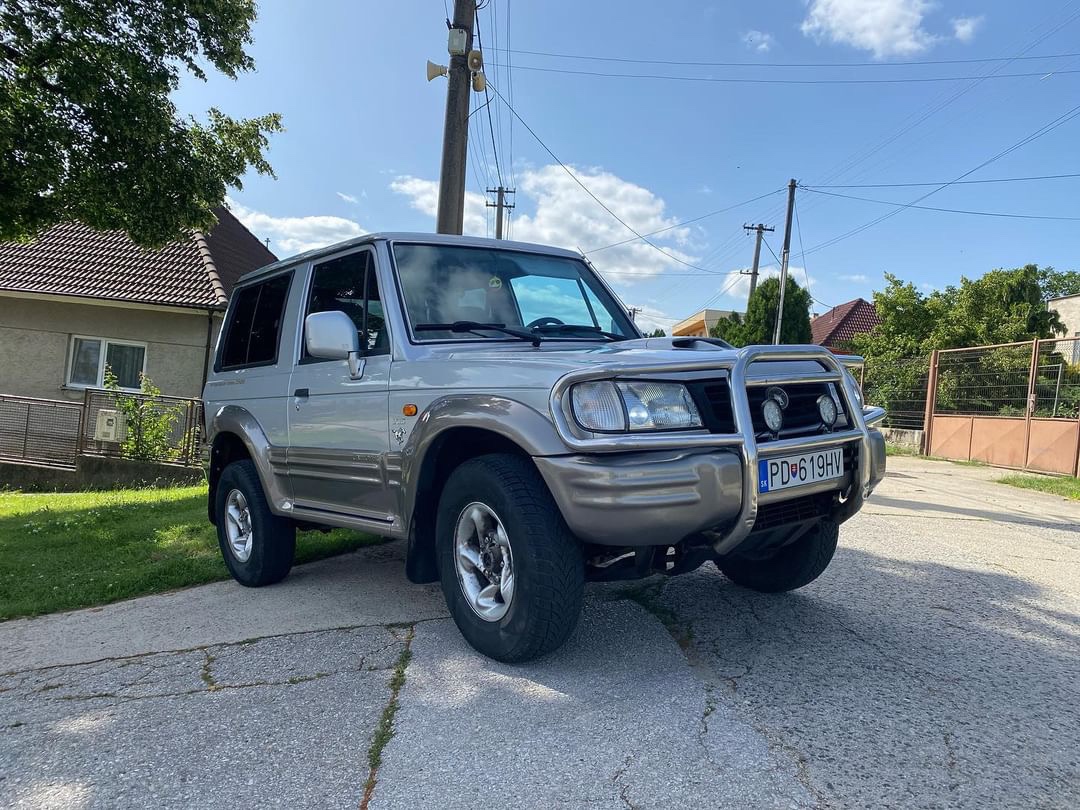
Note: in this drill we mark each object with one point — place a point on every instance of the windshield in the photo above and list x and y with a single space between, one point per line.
446 285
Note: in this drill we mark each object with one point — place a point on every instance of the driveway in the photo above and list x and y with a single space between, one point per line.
935 664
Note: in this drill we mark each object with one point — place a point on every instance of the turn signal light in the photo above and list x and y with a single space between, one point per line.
409 410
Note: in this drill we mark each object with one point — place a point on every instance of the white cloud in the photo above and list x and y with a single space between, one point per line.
649 319
739 291
883 27
349 198
760 41
564 215
964 28
857 278
424 197
295 234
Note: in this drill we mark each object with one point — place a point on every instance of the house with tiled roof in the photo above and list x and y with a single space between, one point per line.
835 329
76 300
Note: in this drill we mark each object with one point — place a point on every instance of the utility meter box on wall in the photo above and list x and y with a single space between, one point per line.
109 426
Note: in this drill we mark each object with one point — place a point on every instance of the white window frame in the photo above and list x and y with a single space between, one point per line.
102 355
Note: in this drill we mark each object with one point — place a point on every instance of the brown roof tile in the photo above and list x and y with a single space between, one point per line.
75 259
841 323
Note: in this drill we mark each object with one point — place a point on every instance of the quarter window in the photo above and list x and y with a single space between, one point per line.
253 330
90 356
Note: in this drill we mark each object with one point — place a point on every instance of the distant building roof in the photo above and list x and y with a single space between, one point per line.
77 260
700 322
840 324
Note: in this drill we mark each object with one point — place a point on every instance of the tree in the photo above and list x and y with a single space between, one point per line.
731 329
656 333
761 312
1058 283
87 129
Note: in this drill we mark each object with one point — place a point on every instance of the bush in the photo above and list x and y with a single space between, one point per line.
149 422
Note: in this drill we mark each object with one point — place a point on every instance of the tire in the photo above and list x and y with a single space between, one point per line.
272 539
791 567
547 567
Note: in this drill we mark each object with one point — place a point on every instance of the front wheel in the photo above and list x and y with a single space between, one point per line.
511 570
793 566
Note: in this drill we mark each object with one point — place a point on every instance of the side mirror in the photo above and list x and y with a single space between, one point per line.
333 336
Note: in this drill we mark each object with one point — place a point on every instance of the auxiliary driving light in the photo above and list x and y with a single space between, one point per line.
826 410
774 414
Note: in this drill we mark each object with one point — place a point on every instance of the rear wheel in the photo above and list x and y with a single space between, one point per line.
793 566
511 570
257 545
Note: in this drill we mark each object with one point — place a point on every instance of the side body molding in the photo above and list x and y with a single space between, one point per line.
269 460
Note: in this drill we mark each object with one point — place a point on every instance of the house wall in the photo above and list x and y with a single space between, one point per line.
1069 311
35 338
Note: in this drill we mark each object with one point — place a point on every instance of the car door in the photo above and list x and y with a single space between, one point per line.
338 425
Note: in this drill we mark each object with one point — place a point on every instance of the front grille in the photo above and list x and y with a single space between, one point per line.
797 510
713 399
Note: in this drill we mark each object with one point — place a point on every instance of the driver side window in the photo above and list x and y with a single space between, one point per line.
348 284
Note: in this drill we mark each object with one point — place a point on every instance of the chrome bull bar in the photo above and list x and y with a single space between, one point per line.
743 439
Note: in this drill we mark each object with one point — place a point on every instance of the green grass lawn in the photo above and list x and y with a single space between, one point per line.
1066 487
61 550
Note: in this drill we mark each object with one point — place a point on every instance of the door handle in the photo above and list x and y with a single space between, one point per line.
303 393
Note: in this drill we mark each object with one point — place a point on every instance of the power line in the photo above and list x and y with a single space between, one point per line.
687 221
596 199
1043 130
814 186
738 80
945 210
694 63
802 257
491 126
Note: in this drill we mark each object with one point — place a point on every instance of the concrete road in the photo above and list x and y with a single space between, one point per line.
935 664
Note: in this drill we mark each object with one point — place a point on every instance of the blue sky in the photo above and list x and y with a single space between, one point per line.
363 134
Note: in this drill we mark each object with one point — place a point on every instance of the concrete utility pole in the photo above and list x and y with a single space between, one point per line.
784 259
501 204
761 229
451 214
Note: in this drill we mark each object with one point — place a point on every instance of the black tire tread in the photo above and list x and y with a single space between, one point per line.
558 584
272 561
792 567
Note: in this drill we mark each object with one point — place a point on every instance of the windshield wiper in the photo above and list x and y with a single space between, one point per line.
561 328
475 326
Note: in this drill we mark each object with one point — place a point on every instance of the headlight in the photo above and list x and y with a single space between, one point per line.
616 407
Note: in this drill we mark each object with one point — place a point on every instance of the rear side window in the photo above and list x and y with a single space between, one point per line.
253 330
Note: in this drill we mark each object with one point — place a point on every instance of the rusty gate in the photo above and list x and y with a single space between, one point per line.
1011 405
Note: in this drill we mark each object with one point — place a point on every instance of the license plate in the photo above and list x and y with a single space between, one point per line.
806 468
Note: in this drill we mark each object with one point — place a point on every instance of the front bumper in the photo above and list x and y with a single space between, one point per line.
664 488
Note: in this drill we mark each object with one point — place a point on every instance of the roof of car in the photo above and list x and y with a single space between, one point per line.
406 236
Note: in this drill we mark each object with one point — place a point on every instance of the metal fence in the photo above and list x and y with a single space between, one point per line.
54 432
1012 404
161 429
39 431
900 388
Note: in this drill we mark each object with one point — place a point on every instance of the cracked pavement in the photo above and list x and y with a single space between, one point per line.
935 664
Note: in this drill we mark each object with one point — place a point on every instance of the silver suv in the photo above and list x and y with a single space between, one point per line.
492 404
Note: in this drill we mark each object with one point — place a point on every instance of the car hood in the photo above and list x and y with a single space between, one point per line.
519 365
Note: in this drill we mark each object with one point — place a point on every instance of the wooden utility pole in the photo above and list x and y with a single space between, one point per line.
451 214
784 260
761 229
501 204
